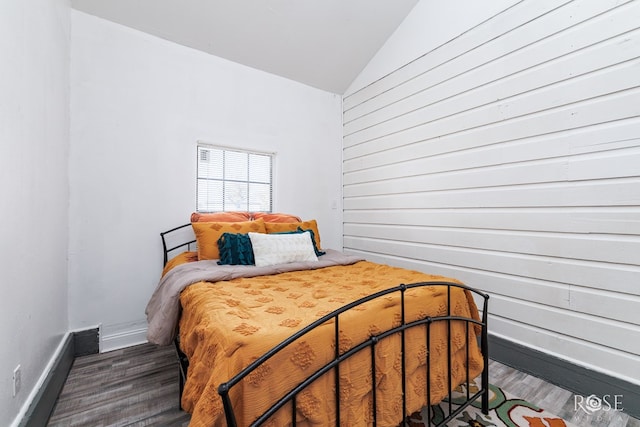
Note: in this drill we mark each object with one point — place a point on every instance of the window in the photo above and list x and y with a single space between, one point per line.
233 180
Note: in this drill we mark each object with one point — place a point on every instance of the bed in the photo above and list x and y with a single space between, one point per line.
335 340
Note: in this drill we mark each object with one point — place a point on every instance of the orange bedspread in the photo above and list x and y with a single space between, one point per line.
226 325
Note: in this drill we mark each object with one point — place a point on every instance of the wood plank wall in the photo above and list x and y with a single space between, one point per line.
509 158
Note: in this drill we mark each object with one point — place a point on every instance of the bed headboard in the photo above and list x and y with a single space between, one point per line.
180 237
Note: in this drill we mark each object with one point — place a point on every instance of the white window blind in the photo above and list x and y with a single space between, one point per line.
233 180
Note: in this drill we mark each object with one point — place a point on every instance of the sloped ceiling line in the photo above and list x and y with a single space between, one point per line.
321 43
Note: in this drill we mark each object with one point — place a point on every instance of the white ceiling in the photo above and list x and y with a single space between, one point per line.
321 43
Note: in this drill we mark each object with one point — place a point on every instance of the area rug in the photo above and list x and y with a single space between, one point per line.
505 410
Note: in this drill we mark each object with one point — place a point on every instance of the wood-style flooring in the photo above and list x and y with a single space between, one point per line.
138 386
135 386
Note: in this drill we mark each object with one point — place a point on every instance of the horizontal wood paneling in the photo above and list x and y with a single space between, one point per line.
603 248
577 117
620 192
577 168
503 23
616 278
513 57
450 155
607 220
597 330
509 157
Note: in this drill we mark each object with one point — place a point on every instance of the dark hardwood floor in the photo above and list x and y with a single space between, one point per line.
138 386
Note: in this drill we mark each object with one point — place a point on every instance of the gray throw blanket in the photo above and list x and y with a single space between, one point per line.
164 306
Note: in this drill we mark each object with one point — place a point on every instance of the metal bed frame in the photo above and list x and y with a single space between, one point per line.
185 241
340 356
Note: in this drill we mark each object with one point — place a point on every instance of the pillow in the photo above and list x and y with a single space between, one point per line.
275 217
271 249
235 249
220 217
293 226
208 234
312 235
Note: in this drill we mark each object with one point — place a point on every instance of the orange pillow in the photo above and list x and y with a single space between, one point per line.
220 217
208 233
275 217
279 227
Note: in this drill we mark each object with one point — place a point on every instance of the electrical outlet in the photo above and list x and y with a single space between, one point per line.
17 380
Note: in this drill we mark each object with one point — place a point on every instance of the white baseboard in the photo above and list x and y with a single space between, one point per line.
122 339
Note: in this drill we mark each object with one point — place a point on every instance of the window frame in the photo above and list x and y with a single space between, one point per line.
248 152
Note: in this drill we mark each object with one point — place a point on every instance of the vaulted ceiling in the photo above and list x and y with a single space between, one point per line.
321 43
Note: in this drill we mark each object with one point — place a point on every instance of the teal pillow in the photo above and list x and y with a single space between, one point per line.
235 249
313 238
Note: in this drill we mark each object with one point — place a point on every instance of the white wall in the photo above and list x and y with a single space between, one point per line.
34 195
139 105
509 157
429 25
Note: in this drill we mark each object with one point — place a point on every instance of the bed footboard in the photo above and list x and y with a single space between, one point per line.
341 355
